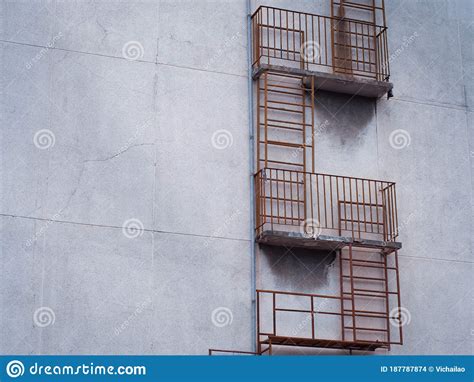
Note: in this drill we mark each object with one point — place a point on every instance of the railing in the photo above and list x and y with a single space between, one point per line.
300 315
314 204
322 43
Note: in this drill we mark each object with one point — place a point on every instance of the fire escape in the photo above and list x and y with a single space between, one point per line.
295 55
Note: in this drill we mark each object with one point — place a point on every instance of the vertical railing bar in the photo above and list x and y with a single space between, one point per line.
357 204
325 42
394 227
356 36
258 323
398 295
311 196
371 208
306 38
341 284
319 39
268 36
344 204
271 198
352 294
389 212
317 194
281 37
294 34
377 208
312 123
387 296
365 207
277 195
274 34
396 211
351 207
291 196
303 96
312 317
264 200
298 195
287 38
274 313
284 196
325 204
266 117
332 205
384 216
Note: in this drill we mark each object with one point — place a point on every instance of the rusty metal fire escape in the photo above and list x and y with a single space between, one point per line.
295 55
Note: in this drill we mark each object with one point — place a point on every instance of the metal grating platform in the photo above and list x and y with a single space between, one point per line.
323 242
324 343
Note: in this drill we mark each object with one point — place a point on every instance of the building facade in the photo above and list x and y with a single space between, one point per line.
128 158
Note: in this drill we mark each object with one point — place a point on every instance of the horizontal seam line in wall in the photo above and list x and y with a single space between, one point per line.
122 58
436 259
194 235
434 104
120 227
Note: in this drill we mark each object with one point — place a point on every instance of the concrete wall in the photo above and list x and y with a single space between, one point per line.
134 113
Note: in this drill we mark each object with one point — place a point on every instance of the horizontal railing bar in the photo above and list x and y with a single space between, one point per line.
270 26
282 162
370 329
360 203
332 175
366 311
311 14
282 200
351 3
365 295
269 291
360 221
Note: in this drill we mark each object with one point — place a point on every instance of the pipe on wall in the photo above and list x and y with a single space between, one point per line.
253 275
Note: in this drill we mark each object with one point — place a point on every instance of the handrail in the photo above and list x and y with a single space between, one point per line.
315 15
390 183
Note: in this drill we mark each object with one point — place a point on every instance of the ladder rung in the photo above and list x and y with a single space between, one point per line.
364 278
284 144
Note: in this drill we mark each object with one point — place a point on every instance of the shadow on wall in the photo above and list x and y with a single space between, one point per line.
344 117
297 270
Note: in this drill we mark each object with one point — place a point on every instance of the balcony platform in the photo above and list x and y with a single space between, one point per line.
322 343
336 83
323 242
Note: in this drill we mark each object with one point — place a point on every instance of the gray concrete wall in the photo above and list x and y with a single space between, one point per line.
134 114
